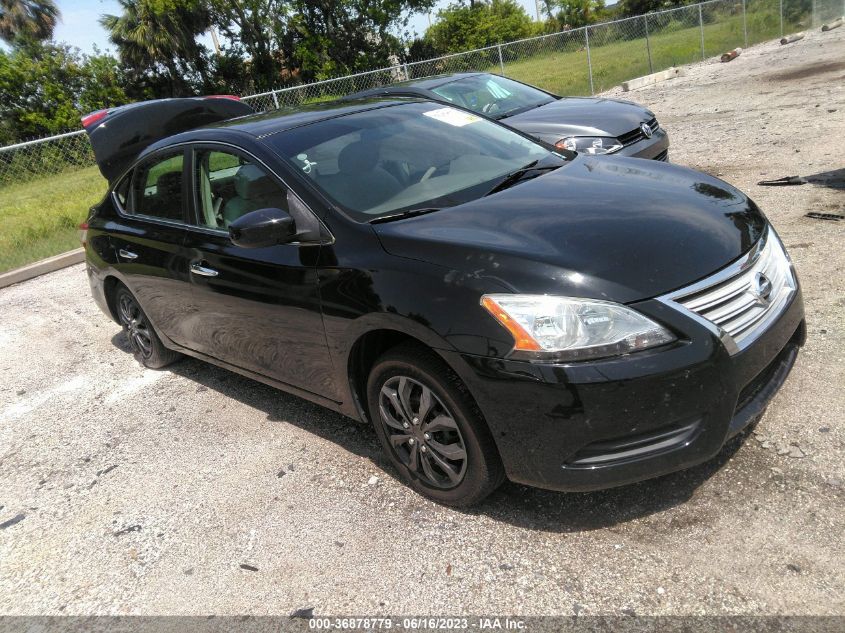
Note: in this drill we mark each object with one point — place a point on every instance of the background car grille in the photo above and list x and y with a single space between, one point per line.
634 136
733 302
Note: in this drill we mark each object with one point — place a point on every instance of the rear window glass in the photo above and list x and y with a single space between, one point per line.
157 189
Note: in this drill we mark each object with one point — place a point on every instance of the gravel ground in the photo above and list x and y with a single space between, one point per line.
196 491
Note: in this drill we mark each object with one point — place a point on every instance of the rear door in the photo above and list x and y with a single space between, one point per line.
148 236
255 308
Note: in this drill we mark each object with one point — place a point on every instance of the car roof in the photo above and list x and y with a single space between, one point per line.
264 124
426 83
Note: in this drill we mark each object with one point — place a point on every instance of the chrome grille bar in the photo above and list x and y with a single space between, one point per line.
741 301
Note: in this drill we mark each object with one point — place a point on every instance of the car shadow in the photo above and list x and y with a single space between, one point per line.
515 504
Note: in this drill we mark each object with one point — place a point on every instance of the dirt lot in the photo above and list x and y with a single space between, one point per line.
195 491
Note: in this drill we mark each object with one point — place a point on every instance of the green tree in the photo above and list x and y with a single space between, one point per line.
157 39
286 41
462 27
45 88
27 20
639 7
572 14
254 27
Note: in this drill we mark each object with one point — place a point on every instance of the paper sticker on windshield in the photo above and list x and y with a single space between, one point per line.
452 116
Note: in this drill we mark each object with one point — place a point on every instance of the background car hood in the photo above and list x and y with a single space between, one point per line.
573 116
622 229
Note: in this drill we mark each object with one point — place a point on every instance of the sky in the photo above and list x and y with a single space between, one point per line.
79 24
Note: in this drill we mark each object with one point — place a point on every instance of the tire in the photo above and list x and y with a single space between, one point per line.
438 442
145 344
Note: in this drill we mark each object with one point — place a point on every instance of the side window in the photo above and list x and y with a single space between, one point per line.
121 191
157 189
230 186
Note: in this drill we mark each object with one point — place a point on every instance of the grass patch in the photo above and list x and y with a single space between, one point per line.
566 72
39 218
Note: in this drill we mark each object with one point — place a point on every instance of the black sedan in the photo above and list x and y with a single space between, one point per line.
494 308
587 125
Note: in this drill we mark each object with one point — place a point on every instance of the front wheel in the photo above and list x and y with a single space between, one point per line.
431 429
144 342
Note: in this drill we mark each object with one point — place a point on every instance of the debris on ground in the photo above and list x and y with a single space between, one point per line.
815 215
792 38
12 521
731 55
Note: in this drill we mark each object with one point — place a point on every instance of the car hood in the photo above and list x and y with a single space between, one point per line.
575 116
621 229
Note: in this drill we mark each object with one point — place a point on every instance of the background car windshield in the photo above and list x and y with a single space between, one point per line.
414 155
492 96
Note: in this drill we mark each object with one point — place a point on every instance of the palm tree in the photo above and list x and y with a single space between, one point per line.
162 42
27 19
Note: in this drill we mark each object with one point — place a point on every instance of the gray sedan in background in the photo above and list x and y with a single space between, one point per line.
587 125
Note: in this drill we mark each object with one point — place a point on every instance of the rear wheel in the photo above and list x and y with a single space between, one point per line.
431 429
144 342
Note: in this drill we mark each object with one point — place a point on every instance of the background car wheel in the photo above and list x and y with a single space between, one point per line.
431 429
144 342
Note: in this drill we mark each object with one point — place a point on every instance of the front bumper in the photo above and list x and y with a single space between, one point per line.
654 148
587 426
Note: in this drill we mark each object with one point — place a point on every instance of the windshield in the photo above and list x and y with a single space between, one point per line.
493 96
410 156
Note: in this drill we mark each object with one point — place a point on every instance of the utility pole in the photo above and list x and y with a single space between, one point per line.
214 40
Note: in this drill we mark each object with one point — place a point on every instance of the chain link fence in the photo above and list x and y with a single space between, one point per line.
575 62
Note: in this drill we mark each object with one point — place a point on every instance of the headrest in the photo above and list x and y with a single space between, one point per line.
169 182
253 184
357 158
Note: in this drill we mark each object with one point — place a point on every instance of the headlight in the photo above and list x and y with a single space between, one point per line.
590 144
567 329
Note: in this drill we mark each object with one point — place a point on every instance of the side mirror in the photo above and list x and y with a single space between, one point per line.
264 227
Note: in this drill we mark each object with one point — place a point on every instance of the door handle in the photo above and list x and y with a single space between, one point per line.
199 269
127 254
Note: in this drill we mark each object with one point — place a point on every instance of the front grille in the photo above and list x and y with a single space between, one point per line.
663 156
744 299
635 136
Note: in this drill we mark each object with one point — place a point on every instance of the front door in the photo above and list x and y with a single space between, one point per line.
255 308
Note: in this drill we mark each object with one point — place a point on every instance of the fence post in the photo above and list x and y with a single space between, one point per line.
781 18
744 25
648 45
589 60
501 61
275 100
701 29
407 75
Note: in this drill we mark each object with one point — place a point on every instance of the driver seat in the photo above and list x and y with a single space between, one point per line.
361 183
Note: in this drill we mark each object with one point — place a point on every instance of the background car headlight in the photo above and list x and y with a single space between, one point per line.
590 144
566 329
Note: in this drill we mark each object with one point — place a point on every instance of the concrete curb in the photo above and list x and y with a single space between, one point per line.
663 75
49 265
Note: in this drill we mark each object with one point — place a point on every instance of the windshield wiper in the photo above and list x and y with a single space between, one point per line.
515 176
408 213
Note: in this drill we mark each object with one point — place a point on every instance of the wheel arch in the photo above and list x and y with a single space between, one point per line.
110 286
373 341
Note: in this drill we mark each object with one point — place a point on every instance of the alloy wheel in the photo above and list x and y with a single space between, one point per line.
136 326
422 432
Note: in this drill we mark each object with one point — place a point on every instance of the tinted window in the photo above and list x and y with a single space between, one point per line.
491 95
230 186
380 161
157 189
